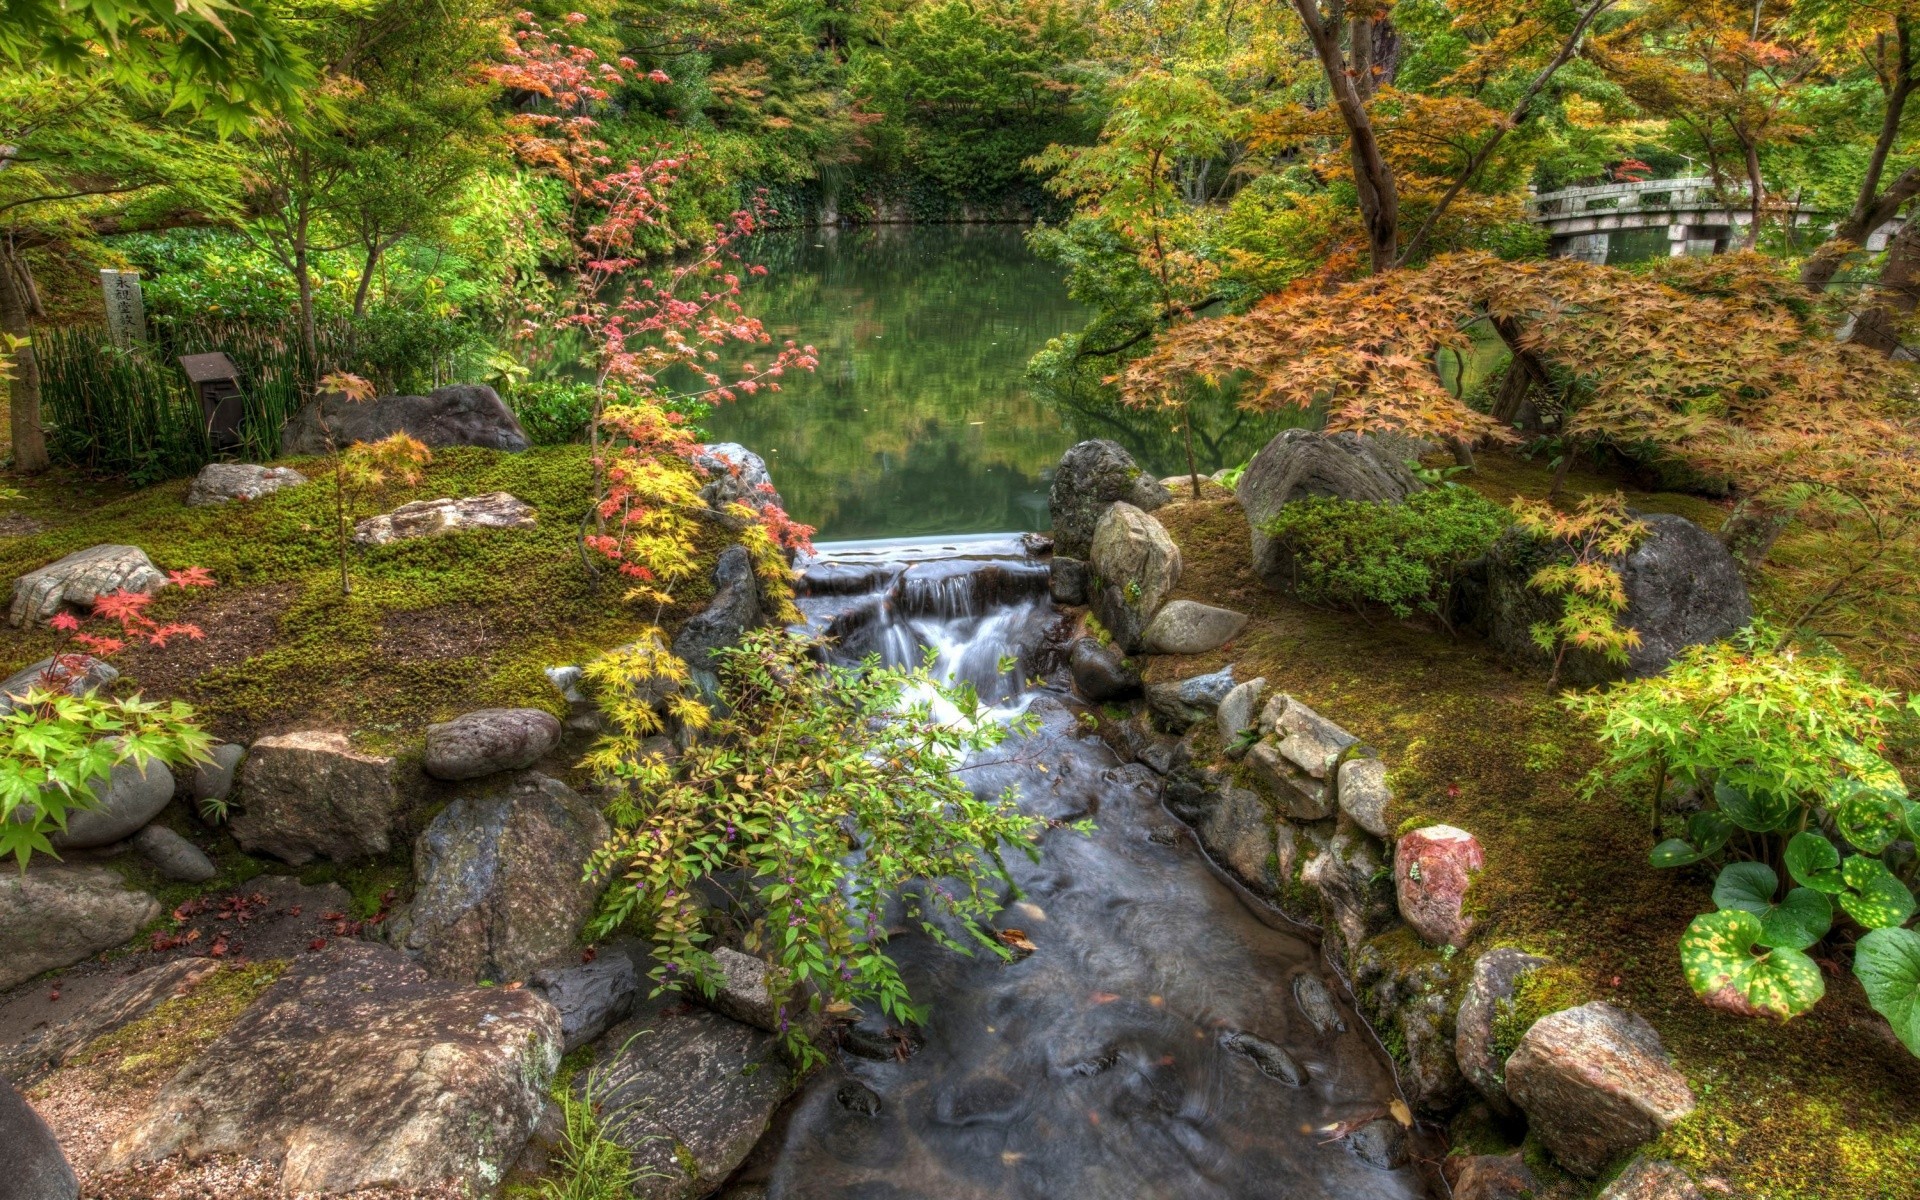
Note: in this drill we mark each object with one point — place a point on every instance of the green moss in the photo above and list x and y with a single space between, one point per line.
367 884
1537 993
160 1043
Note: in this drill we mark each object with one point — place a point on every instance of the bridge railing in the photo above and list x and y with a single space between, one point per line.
1687 192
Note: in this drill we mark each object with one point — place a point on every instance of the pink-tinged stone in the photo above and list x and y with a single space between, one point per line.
1432 869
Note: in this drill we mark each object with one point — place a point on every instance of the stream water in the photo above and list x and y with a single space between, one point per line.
1151 1047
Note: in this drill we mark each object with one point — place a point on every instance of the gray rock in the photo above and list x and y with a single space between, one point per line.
1135 565
1302 462
1309 740
1354 888
498 887
1235 715
734 609
1488 993
1238 830
1317 1005
310 795
689 1093
36 1167
54 915
174 856
132 998
1363 794
1101 673
1067 580
128 800
1189 627
1432 1079
1595 1082
1381 1143
218 483
74 674
80 578
1273 1061
427 518
1300 795
1186 702
591 997
1493 1177
466 414
735 475
1683 589
1652 1179
742 993
212 782
1092 475
355 1070
489 741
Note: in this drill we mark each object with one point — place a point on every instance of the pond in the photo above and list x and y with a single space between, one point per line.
920 419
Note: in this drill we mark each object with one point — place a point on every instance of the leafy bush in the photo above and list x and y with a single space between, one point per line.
1584 576
1403 556
1784 750
820 794
553 412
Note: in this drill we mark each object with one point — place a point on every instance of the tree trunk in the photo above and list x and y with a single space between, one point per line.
1895 296
1872 209
1756 194
1372 177
29 436
1524 374
1750 531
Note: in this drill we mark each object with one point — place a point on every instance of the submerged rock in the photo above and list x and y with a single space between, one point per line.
1317 1005
489 741
1381 1143
427 518
1101 673
54 915
310 795
1092 475
80 578
218 483
354 1071
466 414
1595 1082
1304 462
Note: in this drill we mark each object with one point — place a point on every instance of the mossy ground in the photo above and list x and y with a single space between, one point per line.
152 1048
1824 1108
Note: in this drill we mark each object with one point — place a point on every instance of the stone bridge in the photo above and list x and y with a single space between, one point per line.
1624 222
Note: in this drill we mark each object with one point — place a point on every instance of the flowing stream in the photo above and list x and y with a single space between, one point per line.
1154 1045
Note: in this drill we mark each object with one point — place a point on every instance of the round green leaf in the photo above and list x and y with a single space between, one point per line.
1747 886
1814 862
1887 962
1675 852
1797 922
1759 811
1708 830
1875 897
1718 955
1869 817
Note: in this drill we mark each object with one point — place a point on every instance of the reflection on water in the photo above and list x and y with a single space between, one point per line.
920 419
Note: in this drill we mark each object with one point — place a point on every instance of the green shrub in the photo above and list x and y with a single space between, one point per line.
552 412
1405 557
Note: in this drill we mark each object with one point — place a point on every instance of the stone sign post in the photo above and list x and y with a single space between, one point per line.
126 312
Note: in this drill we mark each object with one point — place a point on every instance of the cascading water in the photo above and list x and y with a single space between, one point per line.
1166 1038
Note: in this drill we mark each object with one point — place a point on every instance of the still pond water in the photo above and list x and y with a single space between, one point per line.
920 419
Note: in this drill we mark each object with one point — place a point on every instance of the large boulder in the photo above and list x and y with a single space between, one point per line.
74 674
310 795
36 1169
218 483
1135 565
734 609
54 915
1092 475
466 414
1683 589
80 578
735 475
1303 462
497 881
1101 672
428 518
688 1092
355 1070
1238 830
1595 1082
1352 884
1651 1179
1432 869
1489 993
1189 627
489 741
130 798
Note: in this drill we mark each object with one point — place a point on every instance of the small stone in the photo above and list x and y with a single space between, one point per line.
1067 580
1137 564
129 799
310 795
1235 716
1595 1082
1309 740
743 994
591 998
1303 797
1348 877
735 475
1380 1143
218 483
1496 975
54 915
74 674
1652 1179
36 1169
490 741
212 782
858 1098
1363 794
426 518
1238 830
1189 627
1186 702
80 578
1433 1080
1493 1177
1317 1004
1432 870
1273 1061
174 856
1101 673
